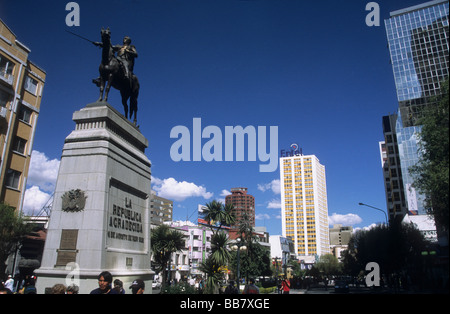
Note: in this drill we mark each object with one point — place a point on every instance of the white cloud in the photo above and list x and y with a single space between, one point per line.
43 172
34 201
365 228
179 191
274 186
347 219
275 203
262 216
224 193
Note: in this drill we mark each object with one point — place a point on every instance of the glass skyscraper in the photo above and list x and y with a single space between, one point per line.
418 44
419 48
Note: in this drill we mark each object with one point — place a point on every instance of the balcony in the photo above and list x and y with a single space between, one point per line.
7 78
3 112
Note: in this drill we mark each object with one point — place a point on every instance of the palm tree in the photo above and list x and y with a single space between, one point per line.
219 251
213 266
218 215
164 242
213 273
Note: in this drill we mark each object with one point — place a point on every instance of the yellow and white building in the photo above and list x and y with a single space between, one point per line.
304 207
21 86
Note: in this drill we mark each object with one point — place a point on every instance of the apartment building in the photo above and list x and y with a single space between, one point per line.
304 206
21 86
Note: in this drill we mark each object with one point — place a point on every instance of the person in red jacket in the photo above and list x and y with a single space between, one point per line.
285 286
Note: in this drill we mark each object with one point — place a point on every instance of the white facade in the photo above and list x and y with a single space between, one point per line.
304 206
197 249
425 224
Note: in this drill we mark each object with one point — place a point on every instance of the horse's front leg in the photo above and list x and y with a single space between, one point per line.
125 105
108 87
102 87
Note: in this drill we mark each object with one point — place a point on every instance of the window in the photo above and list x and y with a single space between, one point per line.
6 69
25 114
13 179
4 98
19 145
31 85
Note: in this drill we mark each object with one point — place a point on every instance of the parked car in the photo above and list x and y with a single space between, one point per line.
341 286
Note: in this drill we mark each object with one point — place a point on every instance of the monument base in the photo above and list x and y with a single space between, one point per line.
100 218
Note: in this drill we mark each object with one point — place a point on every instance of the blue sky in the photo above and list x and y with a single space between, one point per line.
313 69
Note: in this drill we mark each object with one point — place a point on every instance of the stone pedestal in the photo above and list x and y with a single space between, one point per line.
100 219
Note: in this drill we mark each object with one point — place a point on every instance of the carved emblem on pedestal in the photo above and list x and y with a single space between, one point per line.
73 201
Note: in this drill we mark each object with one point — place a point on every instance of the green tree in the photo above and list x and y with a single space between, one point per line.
164 242
255 260
12 231
328 265
214 275
396 248
431 173
219 248
217 215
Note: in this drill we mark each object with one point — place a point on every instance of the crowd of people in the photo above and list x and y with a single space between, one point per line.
18 286
105 286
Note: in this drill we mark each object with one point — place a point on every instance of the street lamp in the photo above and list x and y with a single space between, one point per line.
385 216
238 246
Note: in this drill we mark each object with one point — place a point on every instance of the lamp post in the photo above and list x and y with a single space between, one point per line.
238 246
385 216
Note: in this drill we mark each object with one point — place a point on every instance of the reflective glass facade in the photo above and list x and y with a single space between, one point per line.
419 49
407 139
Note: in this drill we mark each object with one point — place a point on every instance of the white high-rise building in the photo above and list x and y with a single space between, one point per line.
304 206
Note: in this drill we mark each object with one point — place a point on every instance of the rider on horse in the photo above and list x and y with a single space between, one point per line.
126 54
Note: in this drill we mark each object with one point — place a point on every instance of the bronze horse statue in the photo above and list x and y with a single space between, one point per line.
113 73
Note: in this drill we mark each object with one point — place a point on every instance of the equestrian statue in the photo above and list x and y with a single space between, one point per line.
117 71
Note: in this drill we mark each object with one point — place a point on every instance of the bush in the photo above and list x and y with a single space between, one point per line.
181 288
267 290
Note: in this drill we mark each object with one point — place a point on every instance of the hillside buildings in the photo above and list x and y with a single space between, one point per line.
21 86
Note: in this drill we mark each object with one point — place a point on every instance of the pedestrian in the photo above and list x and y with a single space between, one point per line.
104 284
58 289
118 286
285 286
137 287
29 286
251 288
9 283
73 289
231 288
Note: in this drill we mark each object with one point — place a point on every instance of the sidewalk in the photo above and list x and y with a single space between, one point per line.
293 291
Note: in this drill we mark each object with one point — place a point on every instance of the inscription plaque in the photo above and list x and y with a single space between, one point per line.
67 252
69 239
65 257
